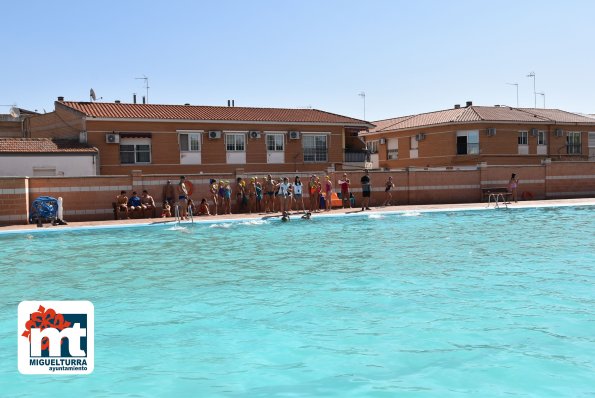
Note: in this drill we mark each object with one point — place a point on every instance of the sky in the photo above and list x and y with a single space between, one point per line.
406 56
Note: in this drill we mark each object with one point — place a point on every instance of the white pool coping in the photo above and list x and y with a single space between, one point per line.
355 212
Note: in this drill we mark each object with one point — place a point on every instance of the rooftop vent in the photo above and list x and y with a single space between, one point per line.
468 104
186 104
60 98
457 106
117 101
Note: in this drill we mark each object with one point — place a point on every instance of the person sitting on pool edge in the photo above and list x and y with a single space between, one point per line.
166 210
122 203
135 204
203 208
147 204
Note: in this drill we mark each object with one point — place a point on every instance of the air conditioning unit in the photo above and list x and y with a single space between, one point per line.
214 135
382 141
294 135
491 132
254 134
112 138
559 133
533 132
420 137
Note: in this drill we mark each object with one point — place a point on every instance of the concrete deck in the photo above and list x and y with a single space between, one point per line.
335 212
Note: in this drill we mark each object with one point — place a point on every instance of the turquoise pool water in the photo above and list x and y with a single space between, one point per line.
444 304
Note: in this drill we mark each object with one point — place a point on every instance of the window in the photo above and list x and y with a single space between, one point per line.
135 150
414 145
189 142
275 142
573 143
235 142
392 149
541 138
523 138
372 146
591 143
468 142
315 147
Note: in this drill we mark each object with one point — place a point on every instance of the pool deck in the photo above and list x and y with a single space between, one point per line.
334 212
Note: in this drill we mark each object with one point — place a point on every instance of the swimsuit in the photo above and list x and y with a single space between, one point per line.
258 192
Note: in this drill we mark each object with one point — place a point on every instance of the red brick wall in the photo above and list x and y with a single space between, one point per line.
90 198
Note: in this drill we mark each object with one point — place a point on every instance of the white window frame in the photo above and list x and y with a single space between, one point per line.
591 144
276 146
190 134
236 135
472 147
541 137
523 138
392 149
136 143
317 154
372 146
572 136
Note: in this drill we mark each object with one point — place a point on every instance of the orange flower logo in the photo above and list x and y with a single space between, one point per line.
43 319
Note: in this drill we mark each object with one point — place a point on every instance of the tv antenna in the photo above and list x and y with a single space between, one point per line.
146 79
363 95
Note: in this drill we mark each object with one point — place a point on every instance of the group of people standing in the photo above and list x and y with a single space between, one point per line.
254 195
268 195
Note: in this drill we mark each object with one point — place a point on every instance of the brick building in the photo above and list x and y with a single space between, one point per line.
193 139
498 135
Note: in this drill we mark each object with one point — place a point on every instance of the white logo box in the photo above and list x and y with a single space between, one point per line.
81 362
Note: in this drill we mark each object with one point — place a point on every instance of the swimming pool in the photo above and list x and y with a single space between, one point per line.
483 303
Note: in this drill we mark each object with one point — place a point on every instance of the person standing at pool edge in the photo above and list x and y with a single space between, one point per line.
366 190
513 185
181 202
387 191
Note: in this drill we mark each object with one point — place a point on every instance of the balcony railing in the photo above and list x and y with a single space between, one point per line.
574 149
356 156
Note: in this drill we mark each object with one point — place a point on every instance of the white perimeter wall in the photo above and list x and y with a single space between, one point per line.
68 166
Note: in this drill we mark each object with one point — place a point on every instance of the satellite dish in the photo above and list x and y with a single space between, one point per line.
92 95
15 112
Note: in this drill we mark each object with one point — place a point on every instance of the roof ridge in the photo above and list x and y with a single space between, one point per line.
472 108
196 106
534 114
403 119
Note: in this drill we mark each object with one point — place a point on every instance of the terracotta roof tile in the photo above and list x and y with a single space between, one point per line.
43 145
502 114
211 113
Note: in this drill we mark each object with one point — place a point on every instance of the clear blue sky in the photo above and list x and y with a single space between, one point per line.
408 56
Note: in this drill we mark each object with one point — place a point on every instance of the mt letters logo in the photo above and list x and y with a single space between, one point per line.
55 337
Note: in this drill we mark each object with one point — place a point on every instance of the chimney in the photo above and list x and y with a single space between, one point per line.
61 99
468 104
117 101
233 103
228 102
144 100
134 98
457 106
